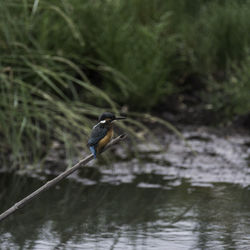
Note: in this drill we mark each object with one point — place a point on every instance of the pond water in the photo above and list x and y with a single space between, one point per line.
173 200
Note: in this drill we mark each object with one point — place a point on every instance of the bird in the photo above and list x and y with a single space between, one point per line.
102 132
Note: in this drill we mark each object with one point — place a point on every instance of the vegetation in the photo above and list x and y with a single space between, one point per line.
64 62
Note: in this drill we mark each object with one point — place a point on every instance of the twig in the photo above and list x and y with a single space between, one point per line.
54 181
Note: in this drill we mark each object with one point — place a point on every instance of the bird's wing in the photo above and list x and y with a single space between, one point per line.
97 134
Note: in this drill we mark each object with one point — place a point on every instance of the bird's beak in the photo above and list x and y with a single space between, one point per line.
120 118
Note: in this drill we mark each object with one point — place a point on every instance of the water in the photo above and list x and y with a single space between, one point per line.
171 201
104 216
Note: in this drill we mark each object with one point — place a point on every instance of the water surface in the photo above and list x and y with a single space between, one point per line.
170 201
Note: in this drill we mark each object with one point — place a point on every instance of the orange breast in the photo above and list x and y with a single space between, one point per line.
105 140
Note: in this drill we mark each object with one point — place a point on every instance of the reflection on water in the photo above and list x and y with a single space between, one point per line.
126 216
156 200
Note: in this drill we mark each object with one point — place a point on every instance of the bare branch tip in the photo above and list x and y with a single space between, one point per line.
123 136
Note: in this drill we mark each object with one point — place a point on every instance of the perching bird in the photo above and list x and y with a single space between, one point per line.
102 132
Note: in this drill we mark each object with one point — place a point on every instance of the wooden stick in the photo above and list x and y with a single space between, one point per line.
54 181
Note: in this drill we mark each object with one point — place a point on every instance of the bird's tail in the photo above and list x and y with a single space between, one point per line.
93 150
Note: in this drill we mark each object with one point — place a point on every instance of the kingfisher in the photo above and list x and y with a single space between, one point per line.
102 132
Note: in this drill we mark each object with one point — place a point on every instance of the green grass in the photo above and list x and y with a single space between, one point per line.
231 97
39 91
132 46
220 35
34 114
65 62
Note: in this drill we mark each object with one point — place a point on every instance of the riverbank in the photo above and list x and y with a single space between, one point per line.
205 155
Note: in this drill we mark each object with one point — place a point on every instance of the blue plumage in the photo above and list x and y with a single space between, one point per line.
93 150
98 132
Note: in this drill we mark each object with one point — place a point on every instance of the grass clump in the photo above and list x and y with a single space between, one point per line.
133 44
231 97
40 99
33 115
220 35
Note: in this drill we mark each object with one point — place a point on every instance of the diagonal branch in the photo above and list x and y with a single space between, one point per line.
54 181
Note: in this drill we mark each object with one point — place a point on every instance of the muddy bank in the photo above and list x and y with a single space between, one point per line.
206 156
